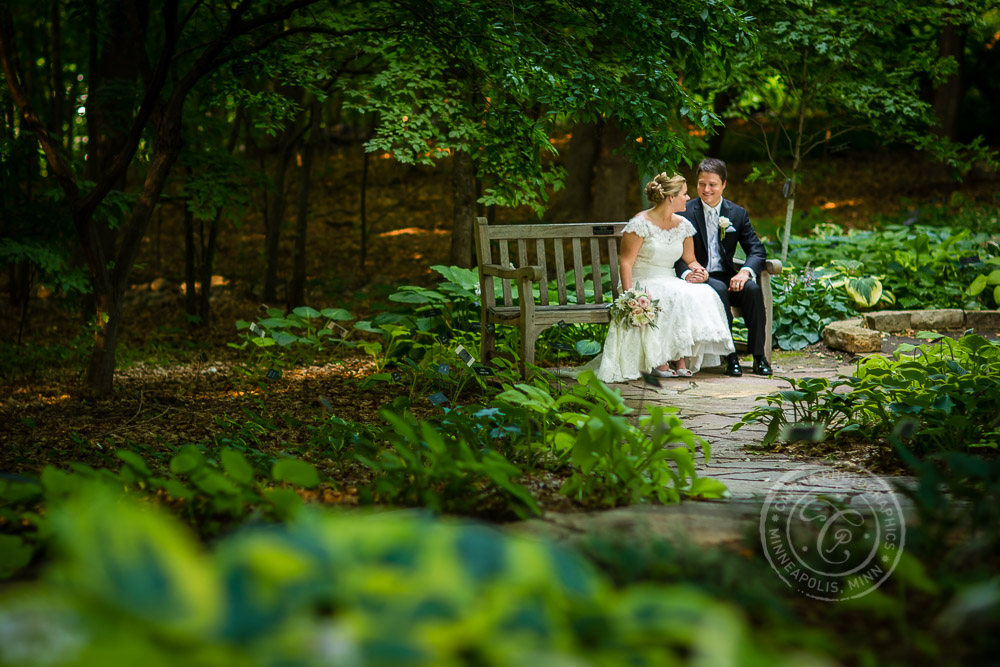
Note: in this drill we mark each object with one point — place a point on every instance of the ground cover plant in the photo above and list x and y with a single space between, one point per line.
326 586
921 258
456 438
942 394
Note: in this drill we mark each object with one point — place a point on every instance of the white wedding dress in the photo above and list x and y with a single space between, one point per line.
692 323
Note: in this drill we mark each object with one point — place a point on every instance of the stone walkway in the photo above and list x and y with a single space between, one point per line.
710 403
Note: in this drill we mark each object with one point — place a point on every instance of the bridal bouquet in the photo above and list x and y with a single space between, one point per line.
635 307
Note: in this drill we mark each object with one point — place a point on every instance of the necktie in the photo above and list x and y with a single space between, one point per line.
712 238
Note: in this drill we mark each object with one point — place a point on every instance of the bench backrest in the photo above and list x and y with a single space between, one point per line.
544 245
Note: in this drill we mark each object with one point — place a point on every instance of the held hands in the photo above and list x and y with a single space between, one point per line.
698 274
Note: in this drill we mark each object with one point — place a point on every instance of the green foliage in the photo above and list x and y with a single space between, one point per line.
210 489
920 266
987 285
804 302
497 84
445 466
947 390
131 584
826 70
305 332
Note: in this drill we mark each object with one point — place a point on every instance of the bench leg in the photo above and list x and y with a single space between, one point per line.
488 344
528 338
765 288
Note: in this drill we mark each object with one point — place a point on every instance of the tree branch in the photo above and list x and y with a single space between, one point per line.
149 102
52 147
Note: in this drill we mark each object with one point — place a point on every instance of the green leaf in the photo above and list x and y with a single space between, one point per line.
338 314
866 292
134 461
58 483
587 347
977 286
14 554
285 500
295 471
236 466
186 460
706 487
305 312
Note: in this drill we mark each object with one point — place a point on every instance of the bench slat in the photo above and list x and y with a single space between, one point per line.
549 315
560 270
543 289
562 230
595 265
505 283
581 296
613 265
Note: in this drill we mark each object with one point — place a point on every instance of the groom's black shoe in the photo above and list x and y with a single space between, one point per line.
733 366
760 365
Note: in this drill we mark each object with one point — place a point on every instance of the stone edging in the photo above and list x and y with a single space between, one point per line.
864 335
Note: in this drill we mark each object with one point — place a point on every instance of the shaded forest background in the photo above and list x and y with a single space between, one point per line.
175 165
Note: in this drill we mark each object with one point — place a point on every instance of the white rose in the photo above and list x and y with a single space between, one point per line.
723 226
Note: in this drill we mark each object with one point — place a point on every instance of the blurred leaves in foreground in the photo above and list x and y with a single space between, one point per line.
130 585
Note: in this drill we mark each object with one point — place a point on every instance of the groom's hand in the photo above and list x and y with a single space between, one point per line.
697 276
737 282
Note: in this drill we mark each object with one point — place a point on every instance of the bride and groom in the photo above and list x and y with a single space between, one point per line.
680 252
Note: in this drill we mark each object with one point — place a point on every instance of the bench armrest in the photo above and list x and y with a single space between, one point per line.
530 272
771 266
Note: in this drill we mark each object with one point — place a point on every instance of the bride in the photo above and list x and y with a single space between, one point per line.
691 329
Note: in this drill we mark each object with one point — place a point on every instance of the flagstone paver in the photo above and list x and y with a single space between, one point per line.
710 403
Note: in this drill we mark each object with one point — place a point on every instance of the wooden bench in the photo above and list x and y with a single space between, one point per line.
529 256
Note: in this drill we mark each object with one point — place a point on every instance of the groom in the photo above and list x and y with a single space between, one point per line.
721 224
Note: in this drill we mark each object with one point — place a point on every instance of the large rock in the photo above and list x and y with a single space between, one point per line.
889 320
981 320
934 320
850 336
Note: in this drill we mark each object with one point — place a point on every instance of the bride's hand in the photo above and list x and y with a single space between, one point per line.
698 275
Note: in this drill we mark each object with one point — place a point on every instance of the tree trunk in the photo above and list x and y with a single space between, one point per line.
190 268
275 216
109 283
58 91
208 261
612 176
101 371
365 165
573 202
297 289
948 96
463 188
209 247
789 211
719 105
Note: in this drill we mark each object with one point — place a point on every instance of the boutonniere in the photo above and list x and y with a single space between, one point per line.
723 226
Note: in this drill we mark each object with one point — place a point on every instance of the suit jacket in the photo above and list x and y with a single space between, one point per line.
745 236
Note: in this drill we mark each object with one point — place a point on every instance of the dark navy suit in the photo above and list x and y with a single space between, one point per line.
750 300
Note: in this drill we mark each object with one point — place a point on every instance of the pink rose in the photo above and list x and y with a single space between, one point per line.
643 301
638 312
632 303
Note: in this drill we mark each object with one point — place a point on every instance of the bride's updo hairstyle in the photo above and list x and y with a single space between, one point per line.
663 186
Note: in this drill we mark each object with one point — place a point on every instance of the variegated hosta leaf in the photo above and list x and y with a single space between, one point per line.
865 291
